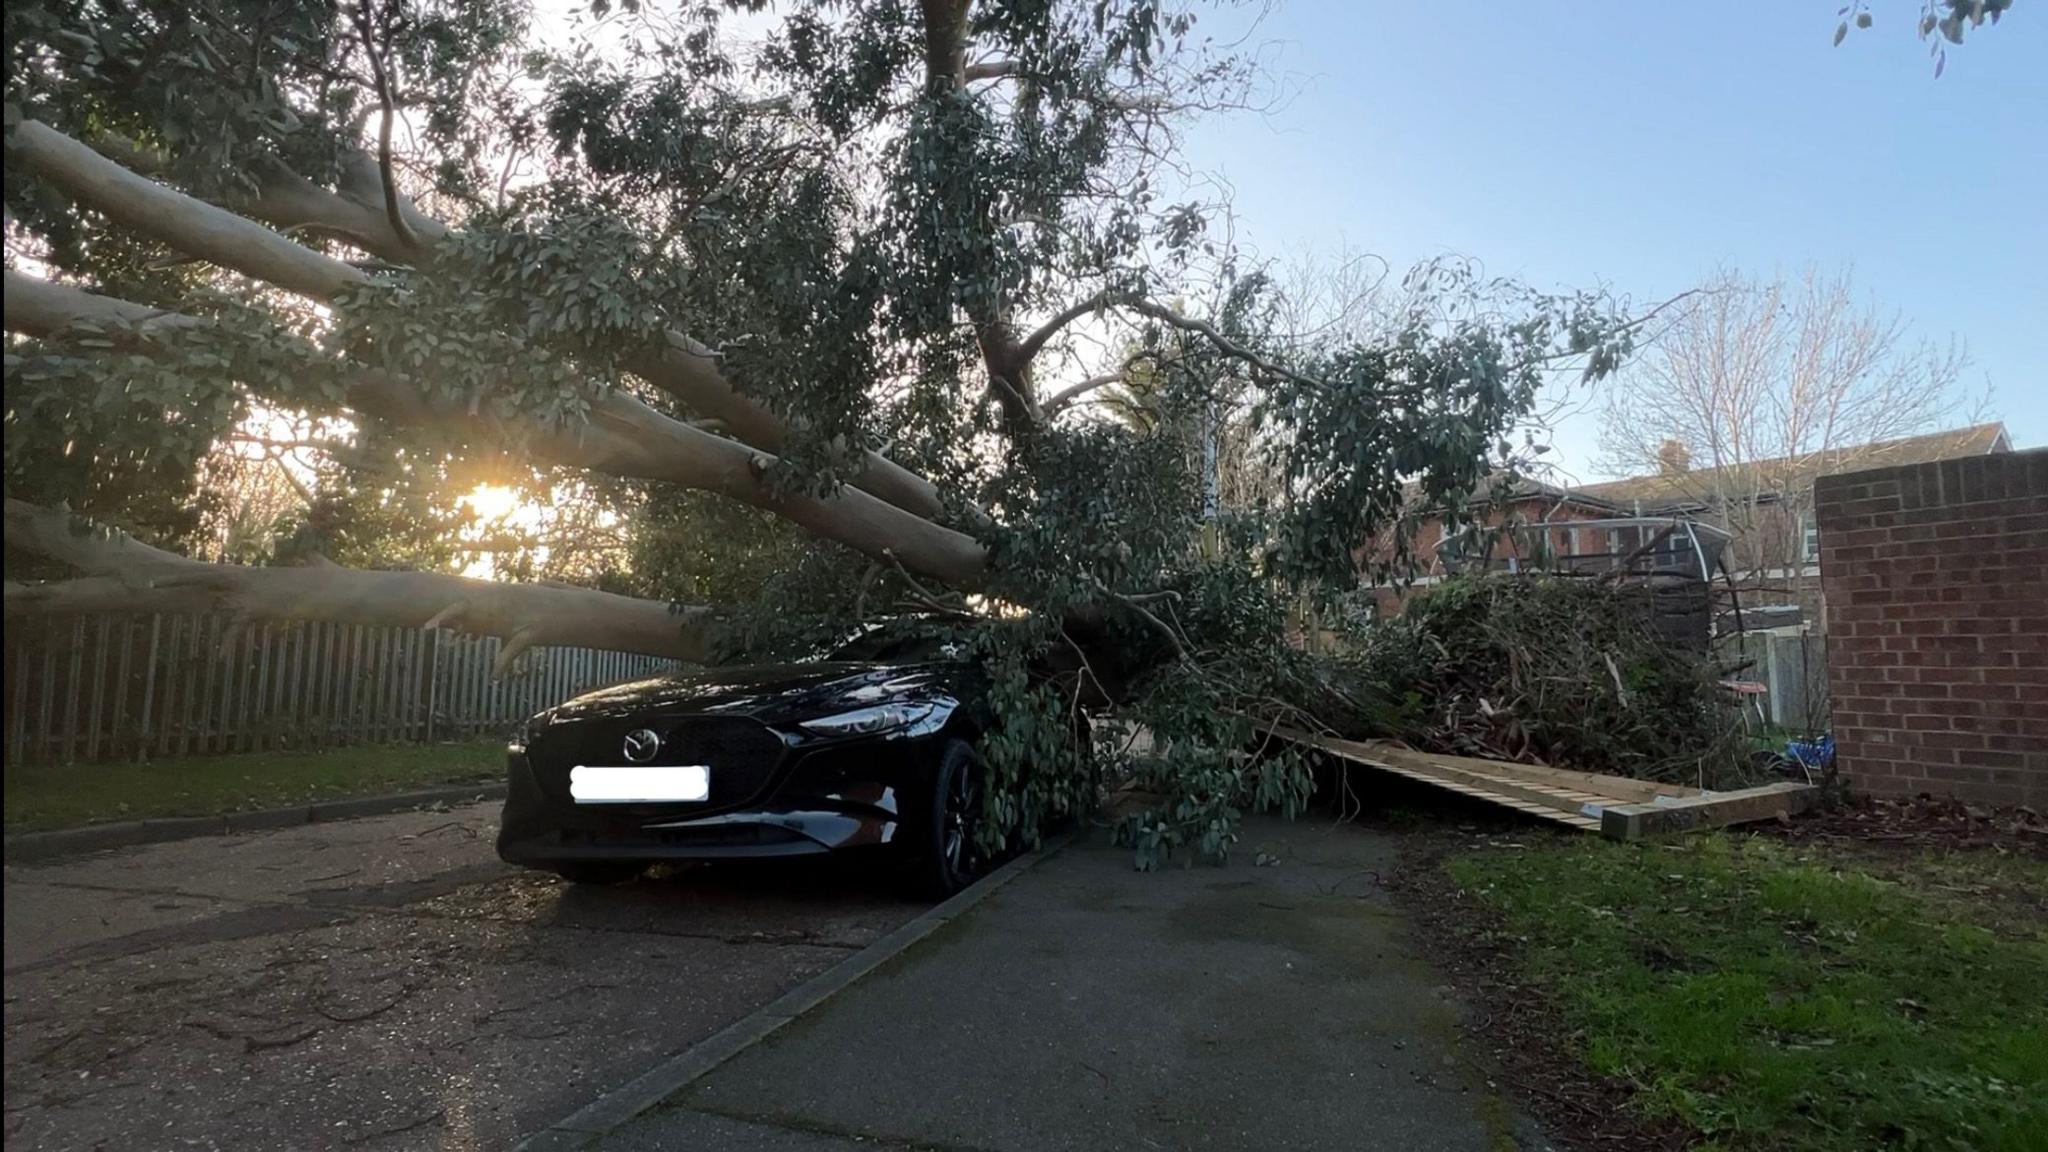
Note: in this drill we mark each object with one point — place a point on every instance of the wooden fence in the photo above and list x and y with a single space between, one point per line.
135 686
1793 669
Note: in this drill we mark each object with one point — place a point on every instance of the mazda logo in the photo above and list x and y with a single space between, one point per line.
642 744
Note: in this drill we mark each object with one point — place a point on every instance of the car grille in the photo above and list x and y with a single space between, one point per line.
742 755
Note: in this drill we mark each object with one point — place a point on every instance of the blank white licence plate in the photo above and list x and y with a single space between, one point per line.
640 785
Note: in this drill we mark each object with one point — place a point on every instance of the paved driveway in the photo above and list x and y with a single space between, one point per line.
1085 1006
382 983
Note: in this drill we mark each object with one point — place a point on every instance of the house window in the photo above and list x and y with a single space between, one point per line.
1809 540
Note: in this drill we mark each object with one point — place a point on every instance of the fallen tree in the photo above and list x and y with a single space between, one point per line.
841 289
121 574
1559 670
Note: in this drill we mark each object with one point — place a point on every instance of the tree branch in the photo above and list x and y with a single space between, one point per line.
1028 348
625 437
380 74
991 70
1223 343
681 367
1073 392
711 462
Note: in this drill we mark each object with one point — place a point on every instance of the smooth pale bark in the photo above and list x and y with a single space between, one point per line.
192 226
123 574
624 437
682 367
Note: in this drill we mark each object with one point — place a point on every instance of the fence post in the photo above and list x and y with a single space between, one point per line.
156 624
17 738
433 678
71 693
99 689
124 675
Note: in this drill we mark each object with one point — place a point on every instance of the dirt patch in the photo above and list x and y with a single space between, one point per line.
1919 825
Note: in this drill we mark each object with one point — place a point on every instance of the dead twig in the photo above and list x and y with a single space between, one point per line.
438 1115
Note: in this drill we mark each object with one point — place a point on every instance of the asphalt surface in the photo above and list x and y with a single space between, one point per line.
1087 1006
382 983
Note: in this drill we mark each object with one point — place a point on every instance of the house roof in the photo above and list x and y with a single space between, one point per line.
1789 473
1519 488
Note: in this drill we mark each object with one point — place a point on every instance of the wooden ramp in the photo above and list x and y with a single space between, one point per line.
1618 806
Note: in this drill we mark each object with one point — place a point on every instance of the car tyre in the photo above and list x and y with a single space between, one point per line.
599 872
949 860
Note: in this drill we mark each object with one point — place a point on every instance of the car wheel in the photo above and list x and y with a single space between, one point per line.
950 861
599 871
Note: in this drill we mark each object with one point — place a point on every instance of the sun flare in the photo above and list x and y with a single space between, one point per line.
492 501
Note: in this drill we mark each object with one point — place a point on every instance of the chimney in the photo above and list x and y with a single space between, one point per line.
1673 458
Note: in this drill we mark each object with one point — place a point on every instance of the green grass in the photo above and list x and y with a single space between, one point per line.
1775 998
43 796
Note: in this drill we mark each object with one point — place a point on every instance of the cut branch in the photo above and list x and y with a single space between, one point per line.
123 574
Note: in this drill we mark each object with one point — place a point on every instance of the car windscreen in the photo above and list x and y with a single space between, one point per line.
897 646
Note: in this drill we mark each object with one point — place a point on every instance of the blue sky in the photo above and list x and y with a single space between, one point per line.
1641 145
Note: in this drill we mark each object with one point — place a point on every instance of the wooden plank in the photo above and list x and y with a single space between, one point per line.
298 716
386 681
208 651
319 681
156 631
352 683
1570 819
124 675
433 679
408 672
1423 766
45 717
1562 806
261 702
282 725
337 647
17 731
230 658
1711 810
486 651
99 687
399 670
409 683
167 708
1627 787
72 688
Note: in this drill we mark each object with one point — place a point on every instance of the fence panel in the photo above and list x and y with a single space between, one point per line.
131 686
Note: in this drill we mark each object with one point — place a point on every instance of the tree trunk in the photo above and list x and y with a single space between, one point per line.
123 574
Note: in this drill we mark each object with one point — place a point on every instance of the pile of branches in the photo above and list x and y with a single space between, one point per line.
1548 669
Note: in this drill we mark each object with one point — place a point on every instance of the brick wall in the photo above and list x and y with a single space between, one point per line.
1936 584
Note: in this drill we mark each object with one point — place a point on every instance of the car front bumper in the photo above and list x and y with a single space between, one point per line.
830 800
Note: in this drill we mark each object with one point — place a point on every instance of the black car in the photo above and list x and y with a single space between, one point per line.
870 747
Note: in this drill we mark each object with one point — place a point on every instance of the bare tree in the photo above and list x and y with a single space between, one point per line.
1757 386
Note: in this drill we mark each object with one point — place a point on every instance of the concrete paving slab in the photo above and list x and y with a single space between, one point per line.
1088 1006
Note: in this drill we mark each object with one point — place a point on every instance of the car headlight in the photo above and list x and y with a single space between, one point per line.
894 719
528 728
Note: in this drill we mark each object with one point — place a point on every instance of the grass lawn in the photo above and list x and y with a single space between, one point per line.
62 796
1778 996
